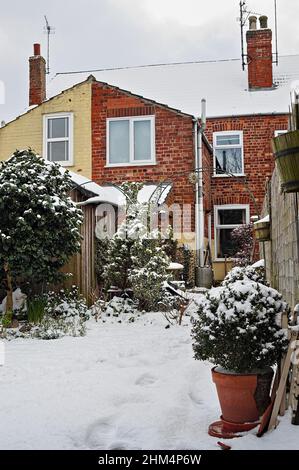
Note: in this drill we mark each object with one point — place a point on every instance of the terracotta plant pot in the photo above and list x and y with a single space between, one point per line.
243 397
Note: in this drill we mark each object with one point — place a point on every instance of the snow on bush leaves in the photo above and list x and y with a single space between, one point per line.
238 326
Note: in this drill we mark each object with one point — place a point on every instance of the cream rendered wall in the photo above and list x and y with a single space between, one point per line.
27 130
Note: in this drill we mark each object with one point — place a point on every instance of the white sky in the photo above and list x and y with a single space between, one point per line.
105 33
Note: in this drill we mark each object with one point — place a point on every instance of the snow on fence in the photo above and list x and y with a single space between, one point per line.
282 260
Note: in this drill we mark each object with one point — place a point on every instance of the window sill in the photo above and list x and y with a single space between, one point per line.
222 260
239 175
124 165
64 163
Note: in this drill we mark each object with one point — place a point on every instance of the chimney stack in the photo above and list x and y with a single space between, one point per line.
259 53
37 77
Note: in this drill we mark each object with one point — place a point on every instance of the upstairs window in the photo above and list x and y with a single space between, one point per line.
131 141
228 153
226 219
58 138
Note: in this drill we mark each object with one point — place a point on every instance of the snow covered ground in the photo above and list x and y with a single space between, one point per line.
123 386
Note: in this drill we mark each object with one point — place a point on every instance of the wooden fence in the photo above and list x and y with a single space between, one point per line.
282 252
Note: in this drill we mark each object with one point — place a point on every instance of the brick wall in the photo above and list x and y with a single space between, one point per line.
174 142
258 158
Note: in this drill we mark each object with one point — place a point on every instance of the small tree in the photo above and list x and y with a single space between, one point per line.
149 272
40 224
118 258
135 255
243 240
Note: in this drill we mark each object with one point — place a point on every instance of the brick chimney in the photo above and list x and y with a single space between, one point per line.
259 54
37 77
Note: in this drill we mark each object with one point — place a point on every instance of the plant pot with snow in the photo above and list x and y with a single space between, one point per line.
237 327
286 151
262 229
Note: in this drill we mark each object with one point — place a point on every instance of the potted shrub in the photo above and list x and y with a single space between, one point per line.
262 229
286 152
237 327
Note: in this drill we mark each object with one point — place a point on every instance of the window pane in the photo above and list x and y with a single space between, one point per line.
231 216
228 139
58 151
58 127
142 140
225 245
119 138
228 160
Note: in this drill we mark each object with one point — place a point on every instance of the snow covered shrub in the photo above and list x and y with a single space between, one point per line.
256 274
40 224
65 314
135 256
118 257
120 308
149 273
238 326
243 240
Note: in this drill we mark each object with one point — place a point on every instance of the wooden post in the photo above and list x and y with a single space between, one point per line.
284 404
283 380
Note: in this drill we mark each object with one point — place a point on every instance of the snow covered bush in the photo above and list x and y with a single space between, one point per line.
237 326
148 274
120 308
65 314
243 240
40 224
136 257
251 273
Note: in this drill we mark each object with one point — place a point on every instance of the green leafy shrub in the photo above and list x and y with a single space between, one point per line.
36 309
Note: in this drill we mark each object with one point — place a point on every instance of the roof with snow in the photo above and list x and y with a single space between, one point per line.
183 85
112 195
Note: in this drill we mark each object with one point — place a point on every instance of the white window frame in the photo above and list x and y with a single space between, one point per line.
215 146
218 226
279 132
132 162
70 138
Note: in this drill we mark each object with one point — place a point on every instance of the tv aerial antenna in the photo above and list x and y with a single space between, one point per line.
48 30
244 15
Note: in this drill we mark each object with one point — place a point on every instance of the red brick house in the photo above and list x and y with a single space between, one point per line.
143 128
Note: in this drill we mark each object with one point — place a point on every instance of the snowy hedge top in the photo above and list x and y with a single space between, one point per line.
238 326
249 273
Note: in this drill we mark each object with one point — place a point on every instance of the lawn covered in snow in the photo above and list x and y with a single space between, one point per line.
122 386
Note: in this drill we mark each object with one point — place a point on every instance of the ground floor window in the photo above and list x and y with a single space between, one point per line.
226 219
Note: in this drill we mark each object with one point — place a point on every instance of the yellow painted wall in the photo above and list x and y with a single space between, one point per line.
220 268
27 130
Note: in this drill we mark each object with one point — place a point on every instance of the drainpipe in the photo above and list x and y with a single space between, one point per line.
199 206
196 167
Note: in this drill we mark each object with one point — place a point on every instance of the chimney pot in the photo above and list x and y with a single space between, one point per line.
36 49
252 22
263 22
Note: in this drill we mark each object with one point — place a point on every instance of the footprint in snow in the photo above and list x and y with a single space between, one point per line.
145 379
99 434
